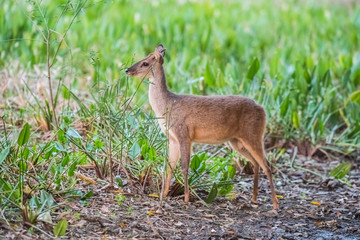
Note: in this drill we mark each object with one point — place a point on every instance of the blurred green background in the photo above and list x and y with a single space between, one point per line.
299 59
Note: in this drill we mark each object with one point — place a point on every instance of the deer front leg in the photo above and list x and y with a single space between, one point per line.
185 150
174 154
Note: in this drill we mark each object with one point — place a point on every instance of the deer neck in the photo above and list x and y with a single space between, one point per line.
159 95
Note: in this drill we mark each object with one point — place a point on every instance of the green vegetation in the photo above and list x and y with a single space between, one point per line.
299 59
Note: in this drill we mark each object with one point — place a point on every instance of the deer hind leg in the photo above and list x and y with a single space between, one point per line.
238 146
256 149
174 154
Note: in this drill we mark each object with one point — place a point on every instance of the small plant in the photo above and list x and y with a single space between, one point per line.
214 175
60 228
120 199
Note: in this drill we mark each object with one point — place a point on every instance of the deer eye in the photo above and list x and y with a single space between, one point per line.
145 64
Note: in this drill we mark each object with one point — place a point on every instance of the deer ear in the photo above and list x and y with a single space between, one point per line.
161 49
160 53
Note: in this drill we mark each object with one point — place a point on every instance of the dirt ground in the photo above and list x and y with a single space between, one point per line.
311 207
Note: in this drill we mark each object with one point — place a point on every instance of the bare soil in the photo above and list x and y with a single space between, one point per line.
311 207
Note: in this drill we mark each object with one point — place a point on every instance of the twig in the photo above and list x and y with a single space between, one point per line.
151 225
33 226
109 151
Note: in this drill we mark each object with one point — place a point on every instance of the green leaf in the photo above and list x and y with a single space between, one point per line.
209 75
98 143
132 121
72 169
355 96
22 166
61 136
119 181
195 163
47 199
26 153
66 93
134 151
4 154
152 153
60 228
87 195
24 135
253 69
73 133
65 161
225 189
59 147
340 171
296 120
212 195
231 171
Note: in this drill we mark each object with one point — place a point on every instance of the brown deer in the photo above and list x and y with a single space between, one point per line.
204 119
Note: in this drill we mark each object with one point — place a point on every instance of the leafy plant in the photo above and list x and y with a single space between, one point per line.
340 171
60 228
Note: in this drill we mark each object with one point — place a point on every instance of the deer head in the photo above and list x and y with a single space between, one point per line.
143 68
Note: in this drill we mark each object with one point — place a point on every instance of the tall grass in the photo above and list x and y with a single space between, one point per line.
308 77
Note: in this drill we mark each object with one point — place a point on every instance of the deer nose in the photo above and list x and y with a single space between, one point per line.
126 70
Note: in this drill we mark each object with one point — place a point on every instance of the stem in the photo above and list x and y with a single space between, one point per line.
109 149
49 78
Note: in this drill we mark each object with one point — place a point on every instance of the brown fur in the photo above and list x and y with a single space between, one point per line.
204 119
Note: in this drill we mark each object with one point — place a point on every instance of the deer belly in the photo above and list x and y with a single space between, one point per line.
211 135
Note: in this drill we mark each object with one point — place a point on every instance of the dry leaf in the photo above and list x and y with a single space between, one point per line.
316 203
209 216
80 224
85 179
123 225
104 209
154 195
279 196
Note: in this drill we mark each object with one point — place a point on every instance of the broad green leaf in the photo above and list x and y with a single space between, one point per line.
59 147
132 121
119 181
195 163
61 136
73 133
134 151
4 154
340 171
66 93
24 135
65 161
212 195
47 198
253 69
26 153
60 228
